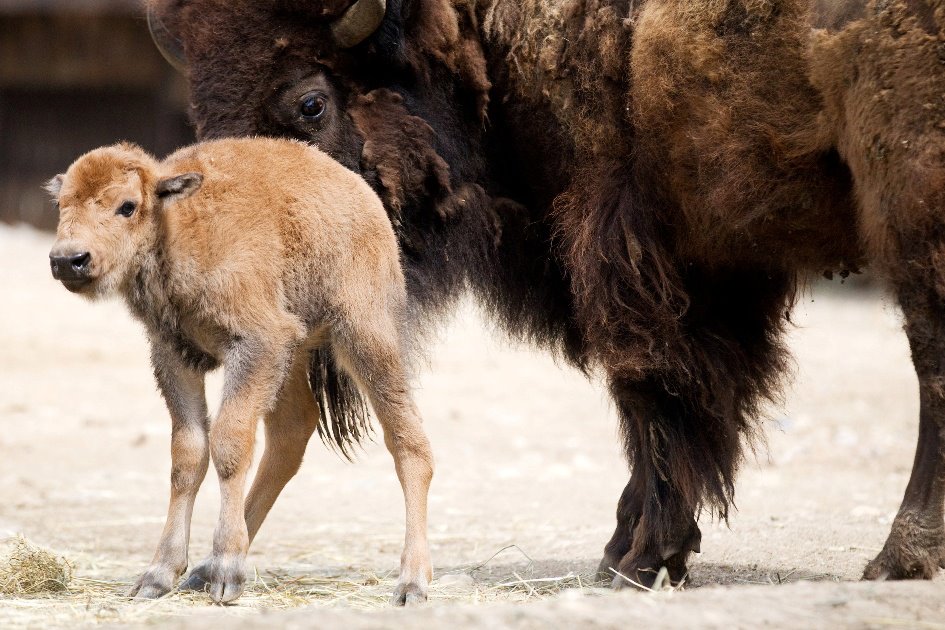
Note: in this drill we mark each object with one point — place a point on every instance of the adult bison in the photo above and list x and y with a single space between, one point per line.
639 186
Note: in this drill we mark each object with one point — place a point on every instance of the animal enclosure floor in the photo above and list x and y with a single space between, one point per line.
528 473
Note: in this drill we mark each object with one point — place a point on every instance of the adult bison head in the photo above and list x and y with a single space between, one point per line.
391 89
405 106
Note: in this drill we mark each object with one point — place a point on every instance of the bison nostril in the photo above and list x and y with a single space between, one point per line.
80 262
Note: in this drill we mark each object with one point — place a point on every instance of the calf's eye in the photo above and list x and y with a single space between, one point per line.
126 209
312 106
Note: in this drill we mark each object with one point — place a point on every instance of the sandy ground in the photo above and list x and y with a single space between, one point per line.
528 475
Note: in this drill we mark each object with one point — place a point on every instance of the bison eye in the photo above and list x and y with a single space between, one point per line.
126 209
312 106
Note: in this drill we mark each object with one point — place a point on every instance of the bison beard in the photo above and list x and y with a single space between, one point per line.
638 186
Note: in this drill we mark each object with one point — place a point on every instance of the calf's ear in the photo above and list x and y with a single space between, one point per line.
54 185
178 187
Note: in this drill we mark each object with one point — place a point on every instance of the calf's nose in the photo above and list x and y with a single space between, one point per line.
70 266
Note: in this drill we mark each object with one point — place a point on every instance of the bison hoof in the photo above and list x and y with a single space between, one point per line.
411 594
645 571
155 583
607 568
888 566
904 564
227 579
199 578
646 576
913 551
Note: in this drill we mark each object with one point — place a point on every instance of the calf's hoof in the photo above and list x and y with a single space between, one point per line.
227 579
410 594
156 582
199 578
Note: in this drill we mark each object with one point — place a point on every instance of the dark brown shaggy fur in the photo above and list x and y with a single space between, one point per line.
647 184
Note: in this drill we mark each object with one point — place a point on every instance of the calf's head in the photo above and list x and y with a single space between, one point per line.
109 203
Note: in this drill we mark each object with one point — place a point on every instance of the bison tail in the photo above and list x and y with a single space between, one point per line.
344 418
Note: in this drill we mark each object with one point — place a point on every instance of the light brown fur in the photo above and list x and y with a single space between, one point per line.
279 250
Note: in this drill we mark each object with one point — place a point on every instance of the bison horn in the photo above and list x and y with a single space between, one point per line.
171 48
359 22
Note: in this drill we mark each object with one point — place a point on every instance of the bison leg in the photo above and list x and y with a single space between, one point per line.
685 420
892 140
691 352
183 389
629 509
656 524
373 359
916 544
254 372
288 429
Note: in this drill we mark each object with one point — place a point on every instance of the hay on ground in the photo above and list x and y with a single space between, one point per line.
27 569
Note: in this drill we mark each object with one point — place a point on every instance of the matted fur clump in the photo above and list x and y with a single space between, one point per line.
28 569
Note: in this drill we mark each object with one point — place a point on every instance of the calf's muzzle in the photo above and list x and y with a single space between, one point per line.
73 269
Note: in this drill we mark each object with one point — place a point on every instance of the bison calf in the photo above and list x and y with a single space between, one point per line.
251 254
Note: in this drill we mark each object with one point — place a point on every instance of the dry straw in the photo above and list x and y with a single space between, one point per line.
36 584
27 569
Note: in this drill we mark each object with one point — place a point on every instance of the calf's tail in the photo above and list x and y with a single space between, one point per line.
344 419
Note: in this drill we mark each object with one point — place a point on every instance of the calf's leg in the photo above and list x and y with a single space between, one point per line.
372 357
255 369
288 429
183 390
